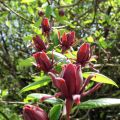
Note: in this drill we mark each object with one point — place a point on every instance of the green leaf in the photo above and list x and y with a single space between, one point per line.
37 24
42 82
48 11
27 1
4 92
90 39
26 63
100 78
58 57
102 42
28 37
8 23
55 112
38 96
97 103
35 29
54 37
31 11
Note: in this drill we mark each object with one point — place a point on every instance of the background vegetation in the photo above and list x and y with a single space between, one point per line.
95 21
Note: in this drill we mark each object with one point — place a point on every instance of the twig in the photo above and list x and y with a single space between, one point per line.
60 27
10 9
49 2
84 117
107 65
11 102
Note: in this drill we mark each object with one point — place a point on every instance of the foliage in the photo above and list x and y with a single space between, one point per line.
94 21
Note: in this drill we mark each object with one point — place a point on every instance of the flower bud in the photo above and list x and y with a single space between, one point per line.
84 54
43 61
45 26
31 112
61 12
41 13
66 40
39 44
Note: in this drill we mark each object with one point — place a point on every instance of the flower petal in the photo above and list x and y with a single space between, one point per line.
79 79
76 99
60 84
70 78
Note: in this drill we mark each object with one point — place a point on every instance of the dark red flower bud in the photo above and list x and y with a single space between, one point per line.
43 61
84 54
66 40
61 12
69 82
39 44
45 26
31 112
41 13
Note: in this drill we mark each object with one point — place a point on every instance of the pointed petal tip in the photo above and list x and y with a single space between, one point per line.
76 99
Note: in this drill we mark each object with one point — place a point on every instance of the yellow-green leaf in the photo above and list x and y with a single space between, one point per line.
100 78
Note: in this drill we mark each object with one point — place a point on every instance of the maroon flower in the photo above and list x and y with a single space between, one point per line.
72 85
31 112
45 26
70 80
66 40
39 44
84 54
69 84
43 61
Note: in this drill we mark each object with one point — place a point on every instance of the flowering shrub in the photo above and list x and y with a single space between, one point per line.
63 66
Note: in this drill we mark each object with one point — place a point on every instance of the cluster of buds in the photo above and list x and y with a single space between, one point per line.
70 81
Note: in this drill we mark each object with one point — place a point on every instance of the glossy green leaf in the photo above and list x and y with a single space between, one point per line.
55 111
97 103
42 82
26 62
38 96
100 78
59 57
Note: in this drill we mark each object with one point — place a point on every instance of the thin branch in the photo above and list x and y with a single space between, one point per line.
10 9
12 102
107 65
60 27
49 2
